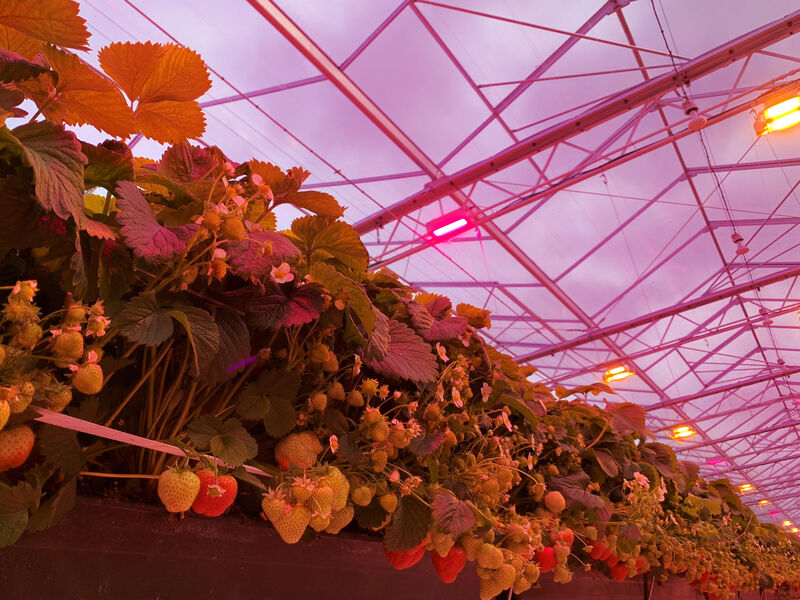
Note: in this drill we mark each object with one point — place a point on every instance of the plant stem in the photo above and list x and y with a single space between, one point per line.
139 384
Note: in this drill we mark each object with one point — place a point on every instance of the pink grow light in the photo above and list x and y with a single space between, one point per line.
447 224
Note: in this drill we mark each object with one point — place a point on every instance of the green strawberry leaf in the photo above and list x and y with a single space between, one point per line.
370 516
203 334
108 163
408 356
233 350
14 67
12 526
142 233
355 298
55 156
410 524
184 163
326 239
271 398
54 508
247 477
61 449
319 203
143 321
451 514
227 440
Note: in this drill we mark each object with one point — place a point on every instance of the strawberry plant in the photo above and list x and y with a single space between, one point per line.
161 299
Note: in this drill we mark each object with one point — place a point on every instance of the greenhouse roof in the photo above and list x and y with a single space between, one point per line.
603 158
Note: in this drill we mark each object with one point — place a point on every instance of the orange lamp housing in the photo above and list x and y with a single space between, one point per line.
782 113
617 373
683 431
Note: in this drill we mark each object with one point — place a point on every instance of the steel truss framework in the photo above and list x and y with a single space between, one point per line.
720 351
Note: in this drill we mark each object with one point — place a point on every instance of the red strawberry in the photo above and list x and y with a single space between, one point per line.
565 536
619 572
15 446
612 560
449 566
405 559
598 548
216 493
642 565
547 559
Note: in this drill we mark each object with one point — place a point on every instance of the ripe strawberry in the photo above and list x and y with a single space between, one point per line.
178 489
642 564
15 446
612 560
292 524
340 519
554 502
565 536
619 572
216 493
5 413
405 559
449 566
88 379
68 346
547 559
298 451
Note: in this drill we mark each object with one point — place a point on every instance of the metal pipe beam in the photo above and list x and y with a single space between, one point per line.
660 314
730 387
633 97
739 436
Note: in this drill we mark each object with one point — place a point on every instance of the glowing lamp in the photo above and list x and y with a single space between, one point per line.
795 530
787 523
716 461
617 373
774 512
447 224
746 487
683 431
764 503
779 116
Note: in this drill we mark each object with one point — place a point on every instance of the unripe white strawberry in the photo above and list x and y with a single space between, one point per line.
177 490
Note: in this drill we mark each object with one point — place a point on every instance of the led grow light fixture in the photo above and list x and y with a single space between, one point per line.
781 115
683 431
448 224
764 502
617 373
746 487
